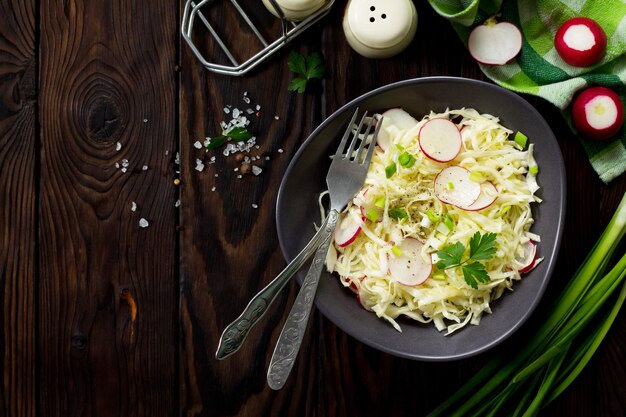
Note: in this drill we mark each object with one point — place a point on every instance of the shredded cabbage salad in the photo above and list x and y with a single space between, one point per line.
491 154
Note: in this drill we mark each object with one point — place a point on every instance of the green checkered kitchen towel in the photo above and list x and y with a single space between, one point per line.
540 71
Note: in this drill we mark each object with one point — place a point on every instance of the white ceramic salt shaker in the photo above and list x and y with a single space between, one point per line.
295 9
379 28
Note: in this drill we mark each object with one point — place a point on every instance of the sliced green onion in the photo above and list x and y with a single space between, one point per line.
450 186
432 216
398 214
533 169
380 202
521 139
390 170
476 177
505 209
396 251
399 147
439 275
406 160
448 222
372 214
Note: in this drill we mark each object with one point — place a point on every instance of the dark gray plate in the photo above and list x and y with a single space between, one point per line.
297 210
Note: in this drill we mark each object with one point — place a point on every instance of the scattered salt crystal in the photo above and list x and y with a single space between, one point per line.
236 113
213 189
167 152
145 120
258 107
124 169
280 150
226 110
197 144
144 168
236 169
133 206
249 111
177 158
199 165
276 117
245 93
255 206
143 222
177 203
212 161
217 175
239 176
118 146
256 170
246 100
117 165
125 163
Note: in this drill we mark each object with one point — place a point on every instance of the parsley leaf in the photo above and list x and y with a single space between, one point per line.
481 248
475 272
310 68
238 134
450 256
216 142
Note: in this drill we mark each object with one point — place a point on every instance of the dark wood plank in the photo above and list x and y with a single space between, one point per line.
18 206
107 296
229 248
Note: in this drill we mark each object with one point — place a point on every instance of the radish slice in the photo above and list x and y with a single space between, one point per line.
580 42
400 118
488 194
347 230
598 113
453 186
440 140
530 256
410 268
494 43
383 141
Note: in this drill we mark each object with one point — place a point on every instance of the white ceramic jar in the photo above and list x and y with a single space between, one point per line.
295 9
379 28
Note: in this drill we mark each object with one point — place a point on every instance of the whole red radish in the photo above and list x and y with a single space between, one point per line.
598 113
580 41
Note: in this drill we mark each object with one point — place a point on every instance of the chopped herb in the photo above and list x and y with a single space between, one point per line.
380 202
216 142
481 248
390 170
396 251
238 134
310 68
439 275
432 216
398 214
448 222
406 159
533 169
521 139
372 214
399 147
450 186
476 177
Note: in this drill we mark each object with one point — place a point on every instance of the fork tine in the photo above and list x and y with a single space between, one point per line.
346 135
359 152
372 145
355 138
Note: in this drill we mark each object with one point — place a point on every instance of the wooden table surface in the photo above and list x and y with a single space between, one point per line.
102 317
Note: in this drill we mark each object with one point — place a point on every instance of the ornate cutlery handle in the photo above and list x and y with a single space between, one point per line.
235 333
292 334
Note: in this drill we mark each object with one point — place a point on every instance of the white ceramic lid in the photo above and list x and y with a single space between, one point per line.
380 23
299 5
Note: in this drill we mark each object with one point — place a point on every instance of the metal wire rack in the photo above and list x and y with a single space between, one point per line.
195 11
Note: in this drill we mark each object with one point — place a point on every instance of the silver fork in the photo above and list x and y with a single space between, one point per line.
345 178
236 332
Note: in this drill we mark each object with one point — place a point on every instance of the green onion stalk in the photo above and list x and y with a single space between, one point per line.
563 345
